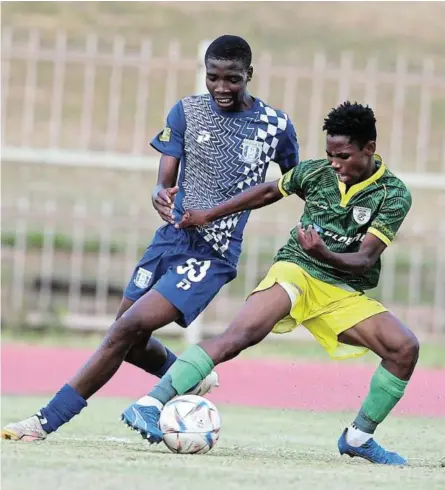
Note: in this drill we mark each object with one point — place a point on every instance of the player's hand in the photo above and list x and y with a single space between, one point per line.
163 202
311 242
194 217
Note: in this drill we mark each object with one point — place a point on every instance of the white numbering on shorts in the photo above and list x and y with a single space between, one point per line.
196 270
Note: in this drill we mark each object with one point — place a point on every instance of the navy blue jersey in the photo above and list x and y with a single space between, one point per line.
222 154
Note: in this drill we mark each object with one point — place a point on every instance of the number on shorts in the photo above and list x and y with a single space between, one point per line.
196 270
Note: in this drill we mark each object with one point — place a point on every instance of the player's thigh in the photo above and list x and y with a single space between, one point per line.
123 307
252 324
382 333
152 265
149 313
293 280
346 310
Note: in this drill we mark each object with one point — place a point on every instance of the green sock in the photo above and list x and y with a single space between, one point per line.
189 369
384 393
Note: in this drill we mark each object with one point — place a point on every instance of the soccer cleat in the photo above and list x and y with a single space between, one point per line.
27 430
145 420
371 451
205 386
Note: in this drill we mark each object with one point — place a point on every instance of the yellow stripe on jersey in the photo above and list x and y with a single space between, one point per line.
280 186
292 174
379 235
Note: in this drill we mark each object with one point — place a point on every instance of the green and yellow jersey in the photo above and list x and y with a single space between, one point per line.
342 218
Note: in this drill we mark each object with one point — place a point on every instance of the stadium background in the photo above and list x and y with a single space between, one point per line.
85 85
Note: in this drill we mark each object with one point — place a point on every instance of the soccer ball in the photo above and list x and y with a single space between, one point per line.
190 424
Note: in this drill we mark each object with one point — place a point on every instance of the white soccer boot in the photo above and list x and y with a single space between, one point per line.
206 385
27 430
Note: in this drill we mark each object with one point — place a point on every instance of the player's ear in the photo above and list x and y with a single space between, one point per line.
370 148
249 73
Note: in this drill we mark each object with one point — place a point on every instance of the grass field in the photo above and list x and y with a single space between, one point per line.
258 448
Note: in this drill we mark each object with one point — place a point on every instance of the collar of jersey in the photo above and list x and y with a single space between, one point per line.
249 112
356 188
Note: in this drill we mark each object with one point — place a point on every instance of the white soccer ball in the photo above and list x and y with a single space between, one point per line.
190 424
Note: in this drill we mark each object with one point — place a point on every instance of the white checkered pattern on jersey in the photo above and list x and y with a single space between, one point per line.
214 169
273 123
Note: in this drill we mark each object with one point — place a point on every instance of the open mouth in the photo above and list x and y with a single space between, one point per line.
342 177
224 101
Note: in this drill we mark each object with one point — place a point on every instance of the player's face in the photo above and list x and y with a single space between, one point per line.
226 81
351 164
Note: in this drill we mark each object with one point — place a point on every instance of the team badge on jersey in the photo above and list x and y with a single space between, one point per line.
361 215
251 151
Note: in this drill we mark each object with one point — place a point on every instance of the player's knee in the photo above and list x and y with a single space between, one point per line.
408 353
155 352
127 329
404 353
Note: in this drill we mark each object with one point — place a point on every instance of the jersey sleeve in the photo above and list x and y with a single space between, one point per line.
296 180
287 155
392 214
170 141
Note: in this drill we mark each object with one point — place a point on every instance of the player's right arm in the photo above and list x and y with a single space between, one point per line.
164 193
254 198
169 142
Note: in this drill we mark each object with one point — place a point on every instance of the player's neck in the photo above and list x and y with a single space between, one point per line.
372 168
245 104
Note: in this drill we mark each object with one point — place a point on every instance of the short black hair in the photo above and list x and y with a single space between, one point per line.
230 48
353 120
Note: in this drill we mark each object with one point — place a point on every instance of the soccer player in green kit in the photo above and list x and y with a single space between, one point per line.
354 207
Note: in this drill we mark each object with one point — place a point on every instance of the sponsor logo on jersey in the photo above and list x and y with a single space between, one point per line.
345 239
165 135
203 137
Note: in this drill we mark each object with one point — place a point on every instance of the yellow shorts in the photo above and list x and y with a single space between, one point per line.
324 309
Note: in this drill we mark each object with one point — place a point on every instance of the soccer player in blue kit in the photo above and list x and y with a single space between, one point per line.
221 143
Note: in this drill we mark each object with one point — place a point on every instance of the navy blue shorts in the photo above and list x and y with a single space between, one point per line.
181 266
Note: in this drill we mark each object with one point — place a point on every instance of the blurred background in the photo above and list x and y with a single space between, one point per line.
86 85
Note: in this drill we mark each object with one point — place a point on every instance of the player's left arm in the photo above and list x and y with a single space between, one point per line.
356 263
287 154
380 234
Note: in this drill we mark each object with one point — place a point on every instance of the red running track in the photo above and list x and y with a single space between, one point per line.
264 383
